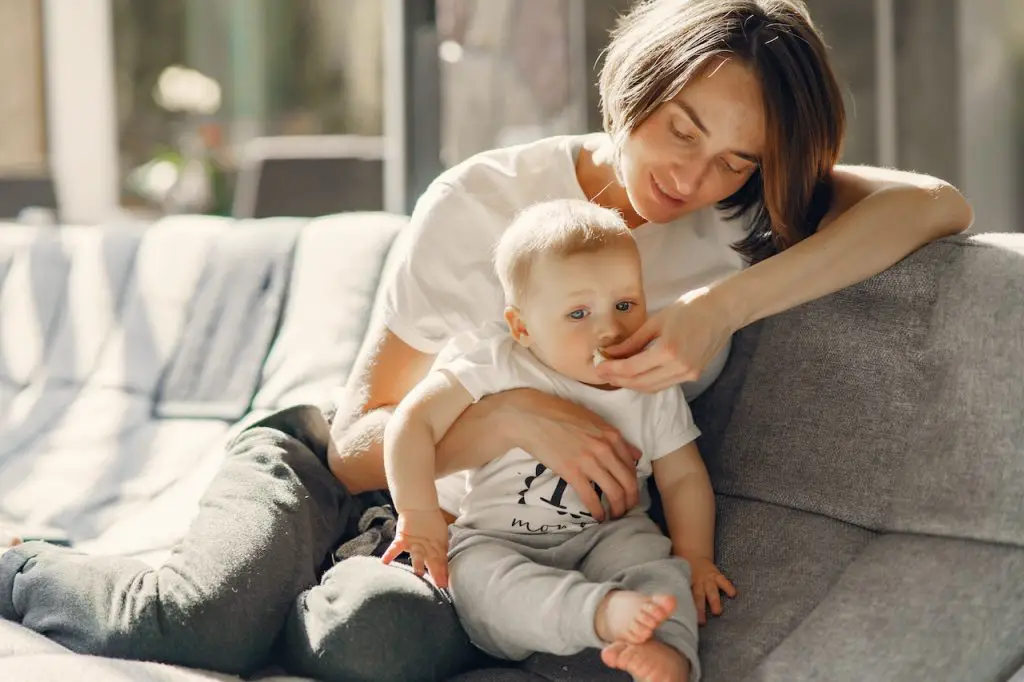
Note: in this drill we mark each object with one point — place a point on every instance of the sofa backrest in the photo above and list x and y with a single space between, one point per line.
896 404
204 316
338 265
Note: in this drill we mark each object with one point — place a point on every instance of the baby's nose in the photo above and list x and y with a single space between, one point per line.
609 335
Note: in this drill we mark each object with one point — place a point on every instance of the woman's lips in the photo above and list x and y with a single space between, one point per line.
664 196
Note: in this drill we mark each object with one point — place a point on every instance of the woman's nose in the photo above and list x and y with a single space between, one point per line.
687 177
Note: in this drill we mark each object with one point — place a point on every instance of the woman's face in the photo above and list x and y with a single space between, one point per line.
697 148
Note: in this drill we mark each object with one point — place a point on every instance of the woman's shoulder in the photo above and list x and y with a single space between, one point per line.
510 178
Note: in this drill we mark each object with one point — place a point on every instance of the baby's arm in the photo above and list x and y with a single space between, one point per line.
420 421
689 504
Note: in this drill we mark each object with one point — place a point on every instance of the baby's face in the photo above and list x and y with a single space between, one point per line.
577 304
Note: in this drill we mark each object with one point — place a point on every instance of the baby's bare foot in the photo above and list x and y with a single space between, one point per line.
652 661
625 616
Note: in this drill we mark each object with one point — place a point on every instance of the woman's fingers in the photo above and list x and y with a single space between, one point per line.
581 484
653 380
610 486
615 371
636 342
627 453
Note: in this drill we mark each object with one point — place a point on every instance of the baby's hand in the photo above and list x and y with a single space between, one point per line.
424 535
706 581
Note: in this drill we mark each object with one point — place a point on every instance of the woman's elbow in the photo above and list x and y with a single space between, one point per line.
949 212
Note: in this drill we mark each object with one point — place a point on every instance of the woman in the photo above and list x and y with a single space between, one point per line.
712 109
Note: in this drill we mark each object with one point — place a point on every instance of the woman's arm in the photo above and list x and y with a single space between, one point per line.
383 374
877 218
573 442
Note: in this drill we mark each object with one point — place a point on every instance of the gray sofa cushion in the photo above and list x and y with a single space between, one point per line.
912 608
894 405
99 265
783 562
338 264
32 294
168 266
231 322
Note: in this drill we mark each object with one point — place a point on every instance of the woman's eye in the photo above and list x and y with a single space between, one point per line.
734 171
624 306
685 137
578 314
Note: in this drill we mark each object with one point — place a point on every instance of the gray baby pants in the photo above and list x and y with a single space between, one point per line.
517 594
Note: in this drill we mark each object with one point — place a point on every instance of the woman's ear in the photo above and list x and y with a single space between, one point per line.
516 326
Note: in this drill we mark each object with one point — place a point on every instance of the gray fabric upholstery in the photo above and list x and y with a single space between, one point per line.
867 448
783 562
30 305
912 608
894 405
100 262
231 323
338 263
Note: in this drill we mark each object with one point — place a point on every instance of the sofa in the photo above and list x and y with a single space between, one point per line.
867 449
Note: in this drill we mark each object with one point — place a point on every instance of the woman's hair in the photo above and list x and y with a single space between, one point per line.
559 228
661 44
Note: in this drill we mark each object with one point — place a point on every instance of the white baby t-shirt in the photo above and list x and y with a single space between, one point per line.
515 492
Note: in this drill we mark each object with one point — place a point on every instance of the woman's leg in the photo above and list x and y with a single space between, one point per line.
269 518
367 622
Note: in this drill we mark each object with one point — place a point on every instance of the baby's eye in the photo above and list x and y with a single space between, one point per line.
578 314
624 306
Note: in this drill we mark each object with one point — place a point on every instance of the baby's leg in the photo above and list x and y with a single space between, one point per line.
512 606
639 557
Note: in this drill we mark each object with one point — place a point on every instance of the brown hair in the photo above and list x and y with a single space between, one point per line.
559 228
661 44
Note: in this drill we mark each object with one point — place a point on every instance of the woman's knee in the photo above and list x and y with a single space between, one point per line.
368 621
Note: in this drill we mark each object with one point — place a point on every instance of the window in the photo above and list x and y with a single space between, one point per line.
255 68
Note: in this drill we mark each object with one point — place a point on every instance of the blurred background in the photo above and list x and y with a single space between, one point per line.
140 108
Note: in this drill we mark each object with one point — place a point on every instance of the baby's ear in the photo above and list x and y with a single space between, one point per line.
516 326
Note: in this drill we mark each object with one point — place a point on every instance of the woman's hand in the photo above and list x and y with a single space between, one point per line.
577 445
674 345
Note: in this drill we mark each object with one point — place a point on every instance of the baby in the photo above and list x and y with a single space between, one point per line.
529 569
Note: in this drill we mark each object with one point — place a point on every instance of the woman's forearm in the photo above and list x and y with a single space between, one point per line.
357 459
477 437
869 237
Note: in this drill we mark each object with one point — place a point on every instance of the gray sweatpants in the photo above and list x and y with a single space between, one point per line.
243 583
517 594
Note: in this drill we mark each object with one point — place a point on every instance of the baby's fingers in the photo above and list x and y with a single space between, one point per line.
699 601
714 600
726 585
393 551
438 567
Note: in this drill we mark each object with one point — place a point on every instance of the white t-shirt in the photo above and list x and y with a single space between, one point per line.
515 492
444 281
